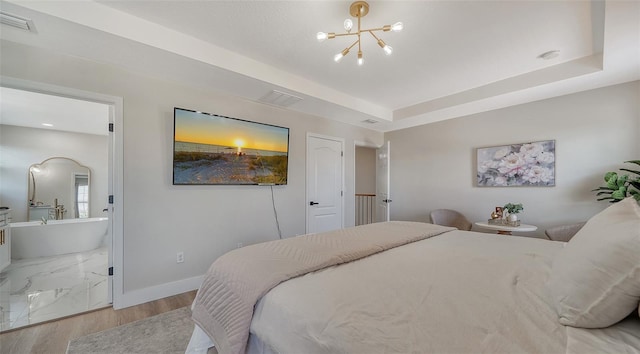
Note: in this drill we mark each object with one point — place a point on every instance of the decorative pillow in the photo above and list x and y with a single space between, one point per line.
595 279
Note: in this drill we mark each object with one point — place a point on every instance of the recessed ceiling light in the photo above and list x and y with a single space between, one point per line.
549 55
47 124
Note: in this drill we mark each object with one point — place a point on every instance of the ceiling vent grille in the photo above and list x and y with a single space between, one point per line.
370 121
17 22
279 98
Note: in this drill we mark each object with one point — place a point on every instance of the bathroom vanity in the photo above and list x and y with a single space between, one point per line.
5 238
39 212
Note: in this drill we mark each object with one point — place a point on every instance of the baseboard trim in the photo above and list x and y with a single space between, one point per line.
140 296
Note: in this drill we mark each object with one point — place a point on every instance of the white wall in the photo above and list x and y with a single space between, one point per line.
365 170
20 147
433 166
161 219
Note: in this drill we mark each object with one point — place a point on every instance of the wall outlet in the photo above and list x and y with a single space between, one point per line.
240 244
180 257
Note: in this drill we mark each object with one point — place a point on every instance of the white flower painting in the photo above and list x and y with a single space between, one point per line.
528 164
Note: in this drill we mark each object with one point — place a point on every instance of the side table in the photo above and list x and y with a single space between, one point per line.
505 229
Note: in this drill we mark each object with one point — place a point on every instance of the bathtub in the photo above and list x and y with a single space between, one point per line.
33 239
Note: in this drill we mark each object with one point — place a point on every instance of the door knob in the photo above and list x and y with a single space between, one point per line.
387 200
313 203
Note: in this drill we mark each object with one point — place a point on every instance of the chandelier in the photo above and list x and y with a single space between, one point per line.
360 9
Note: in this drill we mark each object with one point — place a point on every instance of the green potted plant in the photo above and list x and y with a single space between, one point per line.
620 186
513 209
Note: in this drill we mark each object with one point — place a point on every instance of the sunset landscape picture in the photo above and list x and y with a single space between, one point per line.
212 149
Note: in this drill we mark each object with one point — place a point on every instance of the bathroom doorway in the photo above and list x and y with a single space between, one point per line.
365 184
40 122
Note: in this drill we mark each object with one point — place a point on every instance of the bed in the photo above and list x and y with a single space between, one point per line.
431 290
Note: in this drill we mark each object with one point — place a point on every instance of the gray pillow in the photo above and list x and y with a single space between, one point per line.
595 279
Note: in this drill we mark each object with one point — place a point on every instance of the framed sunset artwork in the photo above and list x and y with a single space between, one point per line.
213 149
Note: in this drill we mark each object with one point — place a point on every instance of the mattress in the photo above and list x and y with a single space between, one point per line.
225 302
459 292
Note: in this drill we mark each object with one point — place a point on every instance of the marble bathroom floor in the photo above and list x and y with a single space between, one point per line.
40 289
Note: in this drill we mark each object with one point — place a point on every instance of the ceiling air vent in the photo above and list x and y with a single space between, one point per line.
279 98
370 121
17 21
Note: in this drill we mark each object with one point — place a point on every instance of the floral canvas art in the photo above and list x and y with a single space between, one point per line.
527 164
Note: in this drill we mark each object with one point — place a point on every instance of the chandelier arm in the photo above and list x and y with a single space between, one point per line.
376 29
346 34
359 49
373 34
370 30
354 43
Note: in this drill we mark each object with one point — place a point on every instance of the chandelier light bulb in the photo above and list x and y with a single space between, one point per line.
341 55
322 36
397 27
387 48
348 25
360 60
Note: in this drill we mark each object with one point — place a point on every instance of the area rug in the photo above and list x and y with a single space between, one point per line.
168 332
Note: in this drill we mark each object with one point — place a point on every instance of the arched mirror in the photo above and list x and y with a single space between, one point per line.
59 189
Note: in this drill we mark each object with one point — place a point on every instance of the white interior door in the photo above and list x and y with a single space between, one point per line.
325 178
383 198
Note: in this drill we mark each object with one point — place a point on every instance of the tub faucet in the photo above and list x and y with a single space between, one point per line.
43 221
59 211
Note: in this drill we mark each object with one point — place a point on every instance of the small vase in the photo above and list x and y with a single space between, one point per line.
512 217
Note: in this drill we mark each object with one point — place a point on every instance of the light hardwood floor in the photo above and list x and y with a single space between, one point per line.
53 337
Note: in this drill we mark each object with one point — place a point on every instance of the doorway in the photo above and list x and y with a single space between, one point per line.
365 184
372 183
46 137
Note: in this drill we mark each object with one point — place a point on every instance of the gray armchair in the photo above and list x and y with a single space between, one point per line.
563 233
448 217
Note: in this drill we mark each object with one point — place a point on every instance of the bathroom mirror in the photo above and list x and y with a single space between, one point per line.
58 189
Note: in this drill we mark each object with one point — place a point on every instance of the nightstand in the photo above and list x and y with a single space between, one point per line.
505 229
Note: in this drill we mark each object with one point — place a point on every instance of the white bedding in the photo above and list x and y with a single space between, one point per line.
225 302
624 337
460 292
